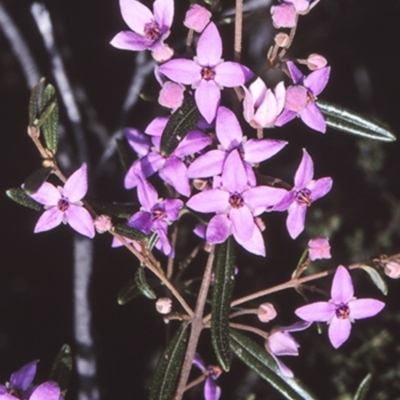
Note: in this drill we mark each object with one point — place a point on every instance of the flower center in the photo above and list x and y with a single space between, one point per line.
342 311
152 31
236 200
63 204
157 213
303 197
207 73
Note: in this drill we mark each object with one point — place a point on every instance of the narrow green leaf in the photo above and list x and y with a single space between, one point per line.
49 118
262 363
181 122
142 285
363 389
36 179
19 196
119 210
130 290
152 241
221 302
34 102
344 120
61 368
130 233
168 368
376 278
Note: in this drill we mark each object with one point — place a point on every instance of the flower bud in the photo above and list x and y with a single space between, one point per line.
102 223
171 95
283 16
319 248
266 312
282 39
316 61
164 305
392 269
197 18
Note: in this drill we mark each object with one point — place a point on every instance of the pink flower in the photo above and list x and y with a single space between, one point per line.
171 95
149 30
319 248
341 310
197 18
283 15
65 205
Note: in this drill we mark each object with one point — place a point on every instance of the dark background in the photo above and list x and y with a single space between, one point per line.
361 214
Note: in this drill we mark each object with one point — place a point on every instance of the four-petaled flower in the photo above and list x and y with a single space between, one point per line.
149 31
65 205
236 205
155 215
341 310
207 73
20 386
300 97
211 390
305 191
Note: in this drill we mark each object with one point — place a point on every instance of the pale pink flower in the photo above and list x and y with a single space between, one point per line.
319 248
197 18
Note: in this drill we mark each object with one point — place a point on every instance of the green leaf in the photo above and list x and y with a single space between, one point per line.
61 368
119 210
363 389
34 102
19 196
181 122
142 285
376 278
262 363
169 365
130 233
130 290
49 118
221 302
36 179
152 241
344 120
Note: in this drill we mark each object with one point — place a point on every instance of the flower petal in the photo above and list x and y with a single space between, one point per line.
46 391
234 177
127 40
286 371
256 151
283 344
156 126
321 311
209 46
208 164
147 194
135 14
342 290
365 308
192 143
228 129
76 186
313 118
285 117
320 187
181 70
174 173
141 221
207 96
164 13
80 220
339 331
295 73
317 80
305 171
242 222
218 229
171 208
213 200
296 219
49 220
139 142
47 194
263 196
22 378
231 74
211 390
253 244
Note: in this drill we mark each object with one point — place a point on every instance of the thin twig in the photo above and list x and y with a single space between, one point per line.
238 30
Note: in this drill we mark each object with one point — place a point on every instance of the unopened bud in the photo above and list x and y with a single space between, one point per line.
283 16
102 223
197 18
392 269
319 248
171 95
164 305
316 61
282 39
266 312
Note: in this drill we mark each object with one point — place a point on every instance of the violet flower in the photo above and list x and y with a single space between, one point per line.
211 390
149 31
305 191
300 97
341 310
172 169
155 214
229 134
20 386
281 343
236 205
64 205
207 73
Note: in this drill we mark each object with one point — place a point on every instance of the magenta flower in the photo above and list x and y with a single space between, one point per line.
155 215
207 73
305 191
229 134
20 386
319 248
281 343
211 390
262 106
300 97
341 310
149 31
64 205
236 205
